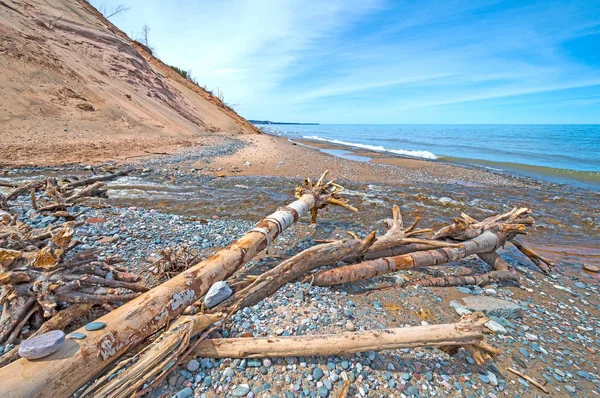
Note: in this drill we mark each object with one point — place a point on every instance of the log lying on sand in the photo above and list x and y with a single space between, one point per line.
466 332
77 362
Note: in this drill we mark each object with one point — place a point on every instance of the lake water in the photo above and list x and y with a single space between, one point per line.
567 153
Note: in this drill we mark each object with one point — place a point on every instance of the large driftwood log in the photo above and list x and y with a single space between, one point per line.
486 242
77 362
466 332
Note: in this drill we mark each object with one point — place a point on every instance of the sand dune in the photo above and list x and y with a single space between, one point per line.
75 88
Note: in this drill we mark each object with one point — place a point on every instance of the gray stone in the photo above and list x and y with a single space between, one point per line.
42 345
217 293
95 326
185 393
77 336
492 306
240 391
193 365
323 392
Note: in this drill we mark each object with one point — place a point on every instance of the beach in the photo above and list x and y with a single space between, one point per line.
204 197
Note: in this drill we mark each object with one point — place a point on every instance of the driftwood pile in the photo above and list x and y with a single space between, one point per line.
40 281
159 312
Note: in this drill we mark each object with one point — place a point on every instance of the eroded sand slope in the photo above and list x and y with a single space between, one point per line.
74 88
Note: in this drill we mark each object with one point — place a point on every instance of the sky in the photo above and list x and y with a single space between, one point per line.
384 62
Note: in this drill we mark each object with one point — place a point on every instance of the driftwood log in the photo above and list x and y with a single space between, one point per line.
77 362
484 237
468 331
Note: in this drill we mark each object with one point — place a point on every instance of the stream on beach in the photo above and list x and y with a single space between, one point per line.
567 218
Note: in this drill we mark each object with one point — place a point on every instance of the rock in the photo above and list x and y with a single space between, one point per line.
77 336
317 374
591 268
459 308
464 290
495 327
323 392
241 391
279 332
229 372
492 306
531 337
95 326
42 345
350 326
185 393
193 365
570 389
524 352
217 293
266 363
493 379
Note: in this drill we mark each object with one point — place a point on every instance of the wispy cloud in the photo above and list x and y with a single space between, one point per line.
311 60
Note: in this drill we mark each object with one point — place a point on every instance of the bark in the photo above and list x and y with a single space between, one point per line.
75 363
25 189
494 260
479 280
486 242
468 331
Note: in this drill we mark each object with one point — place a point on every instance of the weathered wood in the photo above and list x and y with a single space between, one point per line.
468 331
479 280
76 362
486 242
92 180
60 321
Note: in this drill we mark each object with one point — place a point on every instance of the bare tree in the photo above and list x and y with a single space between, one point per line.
145 32
104 10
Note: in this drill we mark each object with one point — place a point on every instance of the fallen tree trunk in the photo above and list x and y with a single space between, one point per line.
468 331
479 280
486 242
77 362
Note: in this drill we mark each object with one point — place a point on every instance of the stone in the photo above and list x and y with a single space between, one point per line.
42 345
495 327
531 337
459 308
570 389
193 365
492 306
591 268
77 336
493 379
323 392
217 293
95 326
240 391
317 374
185 393
229 372
350 326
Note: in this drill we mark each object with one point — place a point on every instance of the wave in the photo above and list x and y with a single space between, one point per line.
377 148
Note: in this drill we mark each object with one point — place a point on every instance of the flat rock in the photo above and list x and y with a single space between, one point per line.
95 326
217 293
77 336
42 345
240 391
492 306
591 268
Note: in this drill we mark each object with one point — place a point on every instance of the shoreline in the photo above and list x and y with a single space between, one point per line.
583 179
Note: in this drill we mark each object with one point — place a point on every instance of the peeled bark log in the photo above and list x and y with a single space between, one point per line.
63 372
468 331
486 242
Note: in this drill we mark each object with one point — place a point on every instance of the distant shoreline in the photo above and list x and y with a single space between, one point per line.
282 123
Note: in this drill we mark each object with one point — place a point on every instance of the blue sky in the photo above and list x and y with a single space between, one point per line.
376 61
